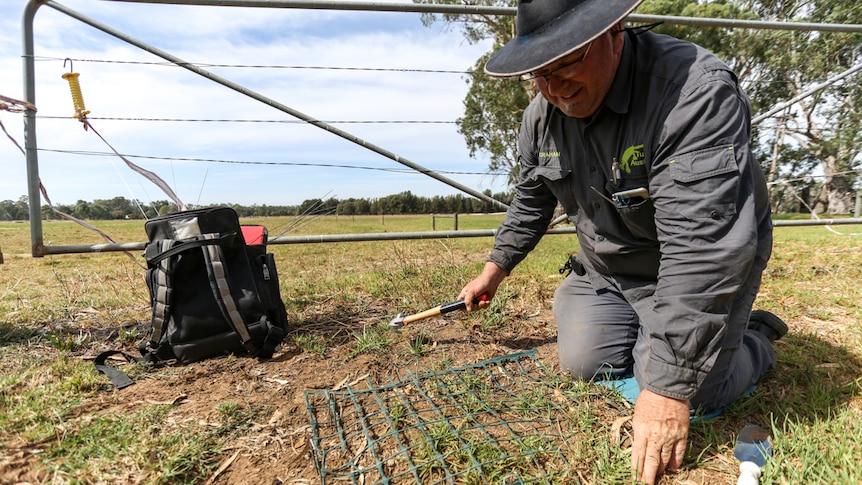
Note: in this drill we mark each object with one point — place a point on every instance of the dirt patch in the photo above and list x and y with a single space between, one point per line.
276 448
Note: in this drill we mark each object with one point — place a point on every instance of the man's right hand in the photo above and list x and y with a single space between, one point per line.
660 425
484 284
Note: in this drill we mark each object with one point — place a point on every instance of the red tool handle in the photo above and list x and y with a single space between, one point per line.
460 304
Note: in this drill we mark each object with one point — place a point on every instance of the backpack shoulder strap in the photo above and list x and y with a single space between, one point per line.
220 286
161 272
154 253
117 377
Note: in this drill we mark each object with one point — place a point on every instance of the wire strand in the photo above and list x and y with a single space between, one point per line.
229 120
262 66
409 171
320 68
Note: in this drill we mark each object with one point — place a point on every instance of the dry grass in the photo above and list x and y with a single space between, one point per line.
57 311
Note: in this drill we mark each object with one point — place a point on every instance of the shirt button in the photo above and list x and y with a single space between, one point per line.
592 168
600 238
597 205
714 214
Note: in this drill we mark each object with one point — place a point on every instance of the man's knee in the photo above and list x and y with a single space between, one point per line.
596 329
586 364
595 347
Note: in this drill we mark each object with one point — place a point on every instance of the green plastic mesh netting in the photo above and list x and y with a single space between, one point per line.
506 420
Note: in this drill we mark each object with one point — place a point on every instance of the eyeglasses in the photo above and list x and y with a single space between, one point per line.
534 76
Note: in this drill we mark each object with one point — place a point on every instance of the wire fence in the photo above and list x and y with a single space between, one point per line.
38 247
506 420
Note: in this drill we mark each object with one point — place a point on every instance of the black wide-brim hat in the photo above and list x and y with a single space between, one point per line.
547 30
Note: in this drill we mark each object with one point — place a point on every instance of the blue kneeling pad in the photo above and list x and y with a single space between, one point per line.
629 389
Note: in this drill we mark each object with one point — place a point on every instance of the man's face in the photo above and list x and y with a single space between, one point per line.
579 89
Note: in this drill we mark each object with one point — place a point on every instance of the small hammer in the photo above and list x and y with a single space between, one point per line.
400 320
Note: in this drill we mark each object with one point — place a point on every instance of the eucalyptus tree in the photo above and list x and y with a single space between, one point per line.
492 107
820 133
814 144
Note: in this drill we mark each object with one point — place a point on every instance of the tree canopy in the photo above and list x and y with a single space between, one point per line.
401 203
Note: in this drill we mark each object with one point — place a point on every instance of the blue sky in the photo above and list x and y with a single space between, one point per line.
277 155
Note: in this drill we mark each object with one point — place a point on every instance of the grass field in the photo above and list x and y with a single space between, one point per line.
62 423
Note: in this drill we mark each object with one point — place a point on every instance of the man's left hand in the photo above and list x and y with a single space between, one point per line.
660 426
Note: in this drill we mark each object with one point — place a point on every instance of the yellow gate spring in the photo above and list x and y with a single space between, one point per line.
77 98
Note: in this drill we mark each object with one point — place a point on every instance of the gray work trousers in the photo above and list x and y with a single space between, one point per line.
600 335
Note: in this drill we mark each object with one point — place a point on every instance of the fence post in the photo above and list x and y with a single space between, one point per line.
856 212
434 218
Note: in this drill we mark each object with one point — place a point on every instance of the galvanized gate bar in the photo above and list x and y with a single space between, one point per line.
395 236
30 146
489 10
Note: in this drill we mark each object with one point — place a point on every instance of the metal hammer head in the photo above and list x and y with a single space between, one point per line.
397 323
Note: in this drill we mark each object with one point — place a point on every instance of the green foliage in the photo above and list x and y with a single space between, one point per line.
405 202
818 133
417 344
310 343
720 40
492 107
66 341
501 28
371 339
40 396
15 211
492 110
227 409
801 449
128 334
94 449
98 448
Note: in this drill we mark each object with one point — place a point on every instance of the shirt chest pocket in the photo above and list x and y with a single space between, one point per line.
552 173
705 183
558 178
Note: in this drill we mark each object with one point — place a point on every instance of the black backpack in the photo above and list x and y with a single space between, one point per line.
212 292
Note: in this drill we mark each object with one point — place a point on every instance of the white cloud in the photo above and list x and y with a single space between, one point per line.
239 36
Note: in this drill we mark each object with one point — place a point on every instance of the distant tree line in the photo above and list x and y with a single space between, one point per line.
402 203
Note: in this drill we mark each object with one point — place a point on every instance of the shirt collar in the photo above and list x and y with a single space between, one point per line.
619 96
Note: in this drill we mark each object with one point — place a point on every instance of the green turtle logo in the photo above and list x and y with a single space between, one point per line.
632 157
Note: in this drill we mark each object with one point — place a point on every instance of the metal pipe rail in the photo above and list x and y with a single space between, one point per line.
487 10
393 236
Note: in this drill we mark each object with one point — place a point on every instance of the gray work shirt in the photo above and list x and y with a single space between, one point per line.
676 124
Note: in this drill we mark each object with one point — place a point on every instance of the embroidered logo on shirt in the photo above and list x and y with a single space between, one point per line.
549 154
633 159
